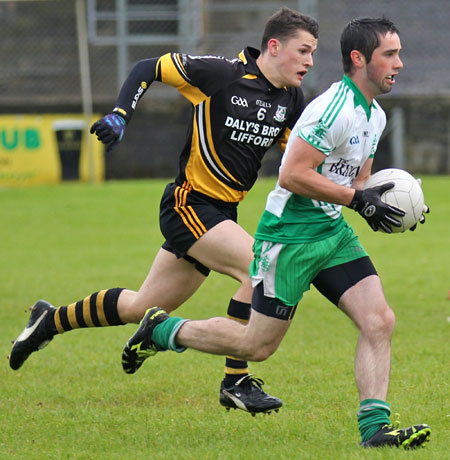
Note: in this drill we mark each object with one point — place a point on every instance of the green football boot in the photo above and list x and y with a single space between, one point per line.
406 438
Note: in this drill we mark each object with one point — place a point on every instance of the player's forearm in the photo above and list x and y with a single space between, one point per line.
140 78
311 184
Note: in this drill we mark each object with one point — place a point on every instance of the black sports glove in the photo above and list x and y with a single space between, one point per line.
109 130
368 203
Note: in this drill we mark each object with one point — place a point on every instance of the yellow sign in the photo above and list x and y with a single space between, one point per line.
47 149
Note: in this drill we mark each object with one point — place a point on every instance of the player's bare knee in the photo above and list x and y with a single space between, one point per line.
245 280
263 353
126 307
379 324
257 352
131 313
389 319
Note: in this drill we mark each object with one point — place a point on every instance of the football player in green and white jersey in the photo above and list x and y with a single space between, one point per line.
303 239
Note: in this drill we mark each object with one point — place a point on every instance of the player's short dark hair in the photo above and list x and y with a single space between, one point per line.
363 35
285 23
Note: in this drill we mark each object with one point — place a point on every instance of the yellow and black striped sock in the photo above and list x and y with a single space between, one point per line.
236 368
97 310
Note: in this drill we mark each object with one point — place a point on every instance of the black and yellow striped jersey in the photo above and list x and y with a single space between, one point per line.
237 115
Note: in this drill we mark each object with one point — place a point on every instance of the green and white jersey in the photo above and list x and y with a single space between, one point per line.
341 125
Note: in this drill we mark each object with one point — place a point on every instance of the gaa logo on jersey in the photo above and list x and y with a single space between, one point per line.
280 115
237 100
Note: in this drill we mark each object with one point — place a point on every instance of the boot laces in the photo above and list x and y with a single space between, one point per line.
250 382
395 423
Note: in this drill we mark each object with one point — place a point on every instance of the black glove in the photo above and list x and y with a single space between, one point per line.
425 210
109 130
368 203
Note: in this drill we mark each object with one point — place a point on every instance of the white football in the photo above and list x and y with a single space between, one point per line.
406 195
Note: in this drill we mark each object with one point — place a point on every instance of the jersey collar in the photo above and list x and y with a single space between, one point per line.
359 96
248 56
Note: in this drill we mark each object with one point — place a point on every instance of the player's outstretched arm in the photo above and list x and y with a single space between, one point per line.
110 129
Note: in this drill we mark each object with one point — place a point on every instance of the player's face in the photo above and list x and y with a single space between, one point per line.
384 65
295 58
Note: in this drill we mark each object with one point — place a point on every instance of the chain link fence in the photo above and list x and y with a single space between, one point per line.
40 70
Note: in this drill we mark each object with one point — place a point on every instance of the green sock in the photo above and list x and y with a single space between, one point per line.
372 414
164 334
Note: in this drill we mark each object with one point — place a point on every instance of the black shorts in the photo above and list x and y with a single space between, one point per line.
331 282
185 215
334 281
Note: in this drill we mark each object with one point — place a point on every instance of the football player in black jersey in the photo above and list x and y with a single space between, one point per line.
240 108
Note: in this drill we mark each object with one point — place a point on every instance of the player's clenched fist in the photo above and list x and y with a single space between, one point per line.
109 130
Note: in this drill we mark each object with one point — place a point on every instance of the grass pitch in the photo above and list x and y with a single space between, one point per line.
73 401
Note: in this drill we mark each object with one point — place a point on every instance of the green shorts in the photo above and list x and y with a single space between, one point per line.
287 270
